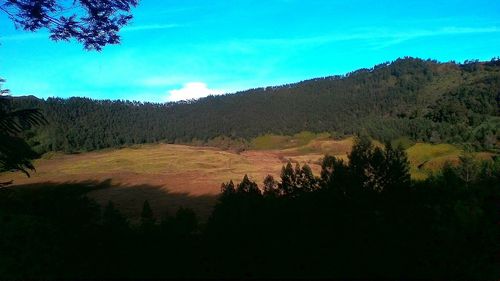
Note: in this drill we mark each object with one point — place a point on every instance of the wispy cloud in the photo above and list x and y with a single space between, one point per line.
378 37
179 10
150 27
400 37
24 36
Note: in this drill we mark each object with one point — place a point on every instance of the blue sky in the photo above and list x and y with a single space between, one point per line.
186 49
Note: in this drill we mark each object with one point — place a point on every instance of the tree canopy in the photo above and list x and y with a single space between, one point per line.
94 23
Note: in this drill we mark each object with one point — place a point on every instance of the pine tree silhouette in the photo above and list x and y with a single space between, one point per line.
270 187
147 218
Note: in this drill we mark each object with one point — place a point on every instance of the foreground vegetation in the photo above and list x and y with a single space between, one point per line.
364 219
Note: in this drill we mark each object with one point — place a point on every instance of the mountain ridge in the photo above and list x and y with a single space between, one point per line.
422 99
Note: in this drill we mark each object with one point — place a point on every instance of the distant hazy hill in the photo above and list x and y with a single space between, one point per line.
423 100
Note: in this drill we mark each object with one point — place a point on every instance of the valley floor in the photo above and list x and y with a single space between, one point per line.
171 176
168 176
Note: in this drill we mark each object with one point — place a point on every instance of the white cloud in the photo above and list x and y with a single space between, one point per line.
149 27
192 90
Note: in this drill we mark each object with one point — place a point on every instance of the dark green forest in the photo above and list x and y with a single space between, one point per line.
361 220
424 100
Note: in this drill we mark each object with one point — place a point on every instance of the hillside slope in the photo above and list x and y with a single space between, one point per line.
420 99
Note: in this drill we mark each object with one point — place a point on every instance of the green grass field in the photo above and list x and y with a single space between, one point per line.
269 141
428 158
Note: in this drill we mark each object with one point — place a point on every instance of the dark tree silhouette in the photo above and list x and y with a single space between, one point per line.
15 153
94 23
147 218
270 187
422 231
359 162
248 187
185 222
335 174
306 181
376 171
288 179
113 220
227 188
469 169
397 168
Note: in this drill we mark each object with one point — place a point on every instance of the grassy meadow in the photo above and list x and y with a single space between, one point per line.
170 176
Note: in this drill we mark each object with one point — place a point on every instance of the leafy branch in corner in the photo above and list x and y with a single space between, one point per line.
94 23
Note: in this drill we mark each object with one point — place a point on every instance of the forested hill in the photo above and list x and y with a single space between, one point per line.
422 99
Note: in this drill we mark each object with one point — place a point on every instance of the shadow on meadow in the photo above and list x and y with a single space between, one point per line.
128 199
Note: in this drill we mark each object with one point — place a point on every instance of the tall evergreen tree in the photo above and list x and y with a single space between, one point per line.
288 179
360 160
376 171
113 220
270 187
228 189
147 217
468 168
306 180
248 187
335 174
397 174
185 222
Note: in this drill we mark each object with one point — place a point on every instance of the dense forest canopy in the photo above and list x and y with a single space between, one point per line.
421 99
